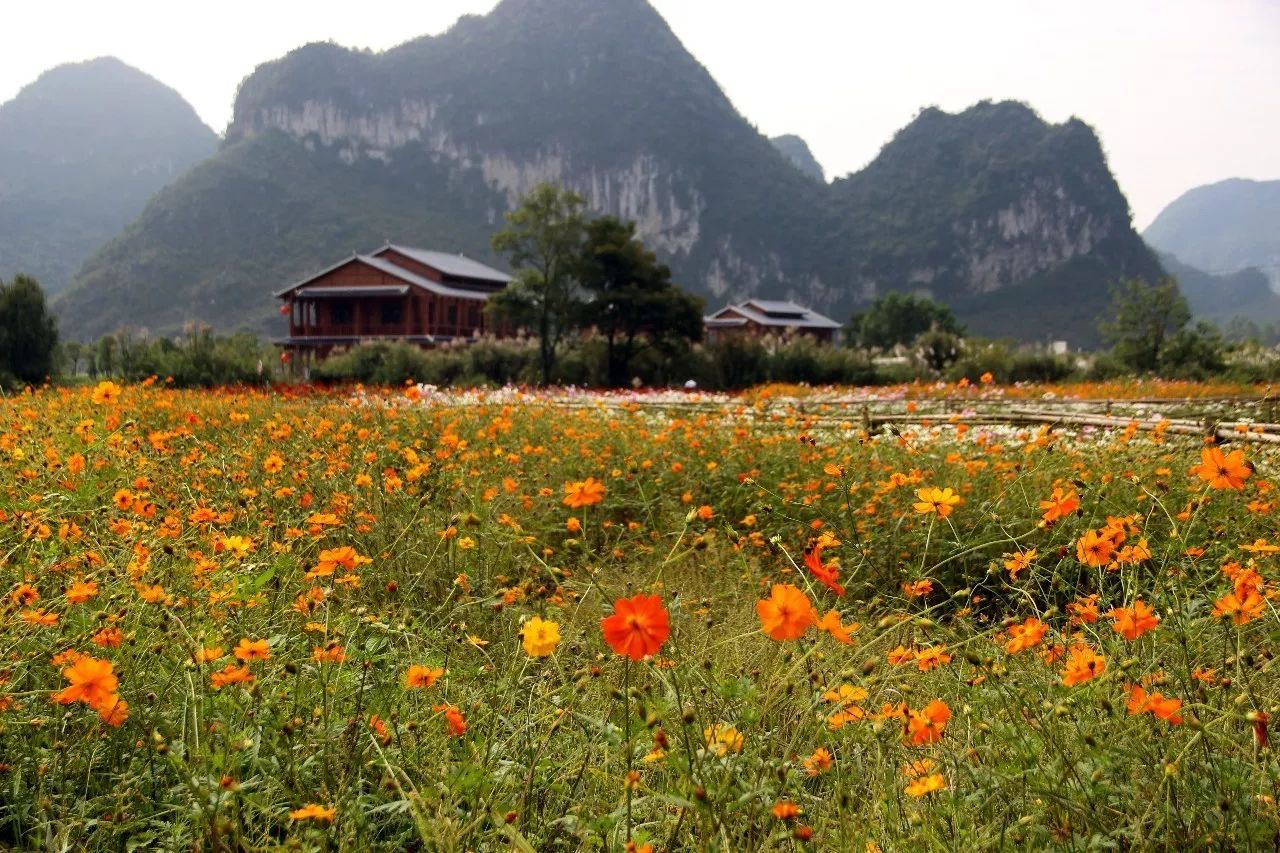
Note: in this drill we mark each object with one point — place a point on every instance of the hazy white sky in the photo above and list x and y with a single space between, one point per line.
1182 92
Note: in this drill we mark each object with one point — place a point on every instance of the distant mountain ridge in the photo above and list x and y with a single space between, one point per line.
1223 227
431 142
797 151
82 149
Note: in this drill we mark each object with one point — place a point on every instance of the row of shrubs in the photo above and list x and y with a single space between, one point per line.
201 359
729 364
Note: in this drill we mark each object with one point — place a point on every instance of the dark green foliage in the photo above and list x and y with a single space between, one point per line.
81 150
602 97
899 318
1143 318
543 243
28 333
939 349
630 298
1008 363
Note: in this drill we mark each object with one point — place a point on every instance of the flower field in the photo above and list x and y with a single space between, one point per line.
411 620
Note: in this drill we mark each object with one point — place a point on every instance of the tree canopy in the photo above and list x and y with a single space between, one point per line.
543 243
1144 318
28 332
899 318
630 298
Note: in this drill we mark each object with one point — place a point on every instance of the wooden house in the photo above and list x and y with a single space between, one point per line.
396 293
759 317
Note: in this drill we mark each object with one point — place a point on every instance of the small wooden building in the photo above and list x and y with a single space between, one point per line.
759 317
396 293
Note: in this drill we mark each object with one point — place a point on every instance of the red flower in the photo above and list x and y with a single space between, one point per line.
638 627
828 574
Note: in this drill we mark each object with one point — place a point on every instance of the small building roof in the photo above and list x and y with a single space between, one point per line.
382 266
458 266
765 312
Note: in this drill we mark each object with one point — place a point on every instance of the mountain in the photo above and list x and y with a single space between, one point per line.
797 151
1223 297
430 143
1223 227
82 149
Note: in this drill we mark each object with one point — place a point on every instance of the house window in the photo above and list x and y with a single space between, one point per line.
453 316
392 313
340 313
473 317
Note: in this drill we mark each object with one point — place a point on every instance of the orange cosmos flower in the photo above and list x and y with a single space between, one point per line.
92 682
787 613
583 493
329 654
1132 622
932 658
1060 504
422 676
934 500
785 810
109 638
926 785
114 712
105 393
1025 636
1095 549
231 674
1242 610
1019 562
1159 706
925 726
917 589
1084 610
312 811
818 763
830 623
248 650
1083 664
1223 471
454 719
81 591
826 573
638 627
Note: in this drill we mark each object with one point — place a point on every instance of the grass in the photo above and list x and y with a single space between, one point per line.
362 533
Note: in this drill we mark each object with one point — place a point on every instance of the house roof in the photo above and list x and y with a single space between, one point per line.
458 266
770 313
390 269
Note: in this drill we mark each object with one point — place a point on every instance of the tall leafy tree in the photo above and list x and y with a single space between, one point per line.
1144 318
899 318
543 244
630 298
28 332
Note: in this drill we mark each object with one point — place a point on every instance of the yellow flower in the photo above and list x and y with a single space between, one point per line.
941 501
540 637
722 739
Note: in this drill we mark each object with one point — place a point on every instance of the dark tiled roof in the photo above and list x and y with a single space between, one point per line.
458 266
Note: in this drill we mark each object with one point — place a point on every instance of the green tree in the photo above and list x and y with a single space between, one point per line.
105 360
28 332
1144 318
900 318
630 298
543 243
